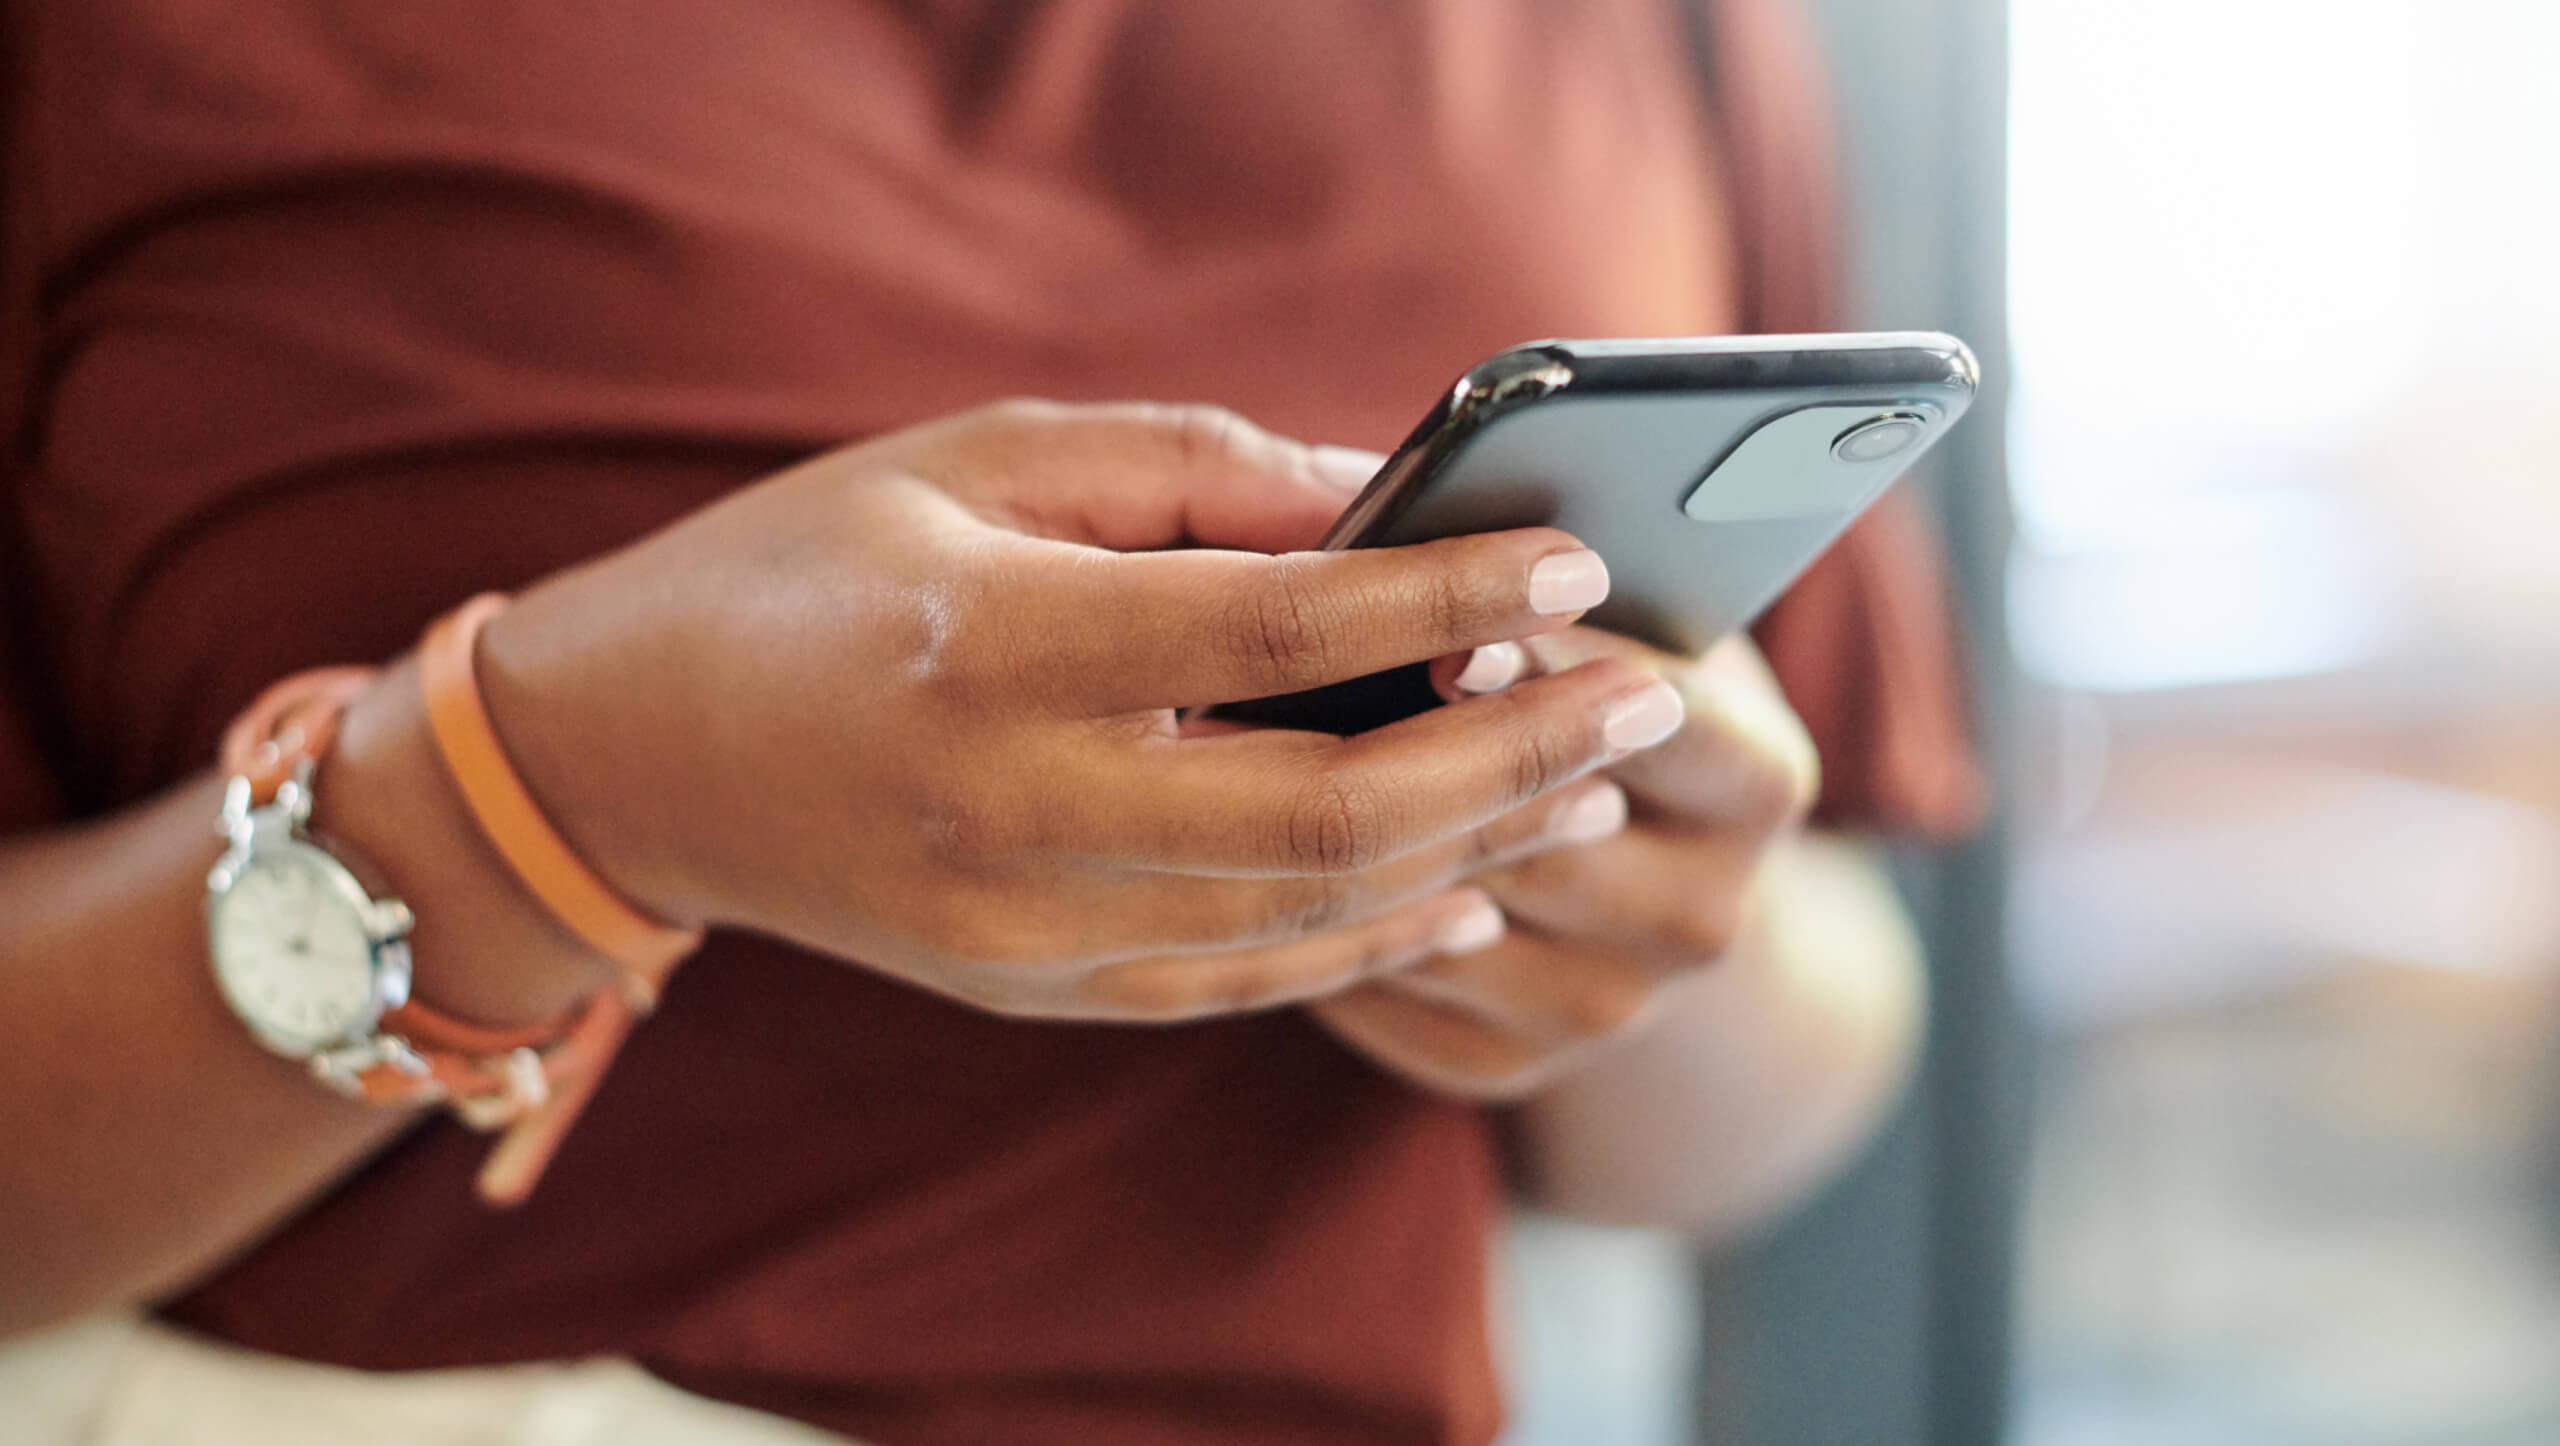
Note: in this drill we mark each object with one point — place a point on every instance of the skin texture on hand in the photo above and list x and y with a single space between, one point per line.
914 704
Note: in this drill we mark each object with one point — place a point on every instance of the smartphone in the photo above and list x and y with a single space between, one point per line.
1708 472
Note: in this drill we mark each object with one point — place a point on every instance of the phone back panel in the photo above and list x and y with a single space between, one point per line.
1607 440
1614 472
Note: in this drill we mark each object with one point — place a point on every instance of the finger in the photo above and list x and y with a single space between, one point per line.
1743 759
1538 990
1280 803
1136 475
1742 756
1497 666
1170 989
1488 669
1440 1046
1177 629
1177 911
1664 900
1148 911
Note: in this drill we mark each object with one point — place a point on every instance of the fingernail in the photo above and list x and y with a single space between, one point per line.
1346 468
1595 815
1494 667
1568 582
1644 719
1480 927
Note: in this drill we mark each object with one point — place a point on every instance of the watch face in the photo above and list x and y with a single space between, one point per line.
290 949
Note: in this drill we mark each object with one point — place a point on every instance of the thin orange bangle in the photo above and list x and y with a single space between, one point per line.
644 948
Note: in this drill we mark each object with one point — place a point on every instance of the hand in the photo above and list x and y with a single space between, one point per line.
1599 933
914 704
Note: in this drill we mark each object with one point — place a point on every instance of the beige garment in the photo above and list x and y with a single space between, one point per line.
119 1381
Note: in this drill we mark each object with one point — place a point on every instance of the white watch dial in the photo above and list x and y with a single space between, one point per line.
291 952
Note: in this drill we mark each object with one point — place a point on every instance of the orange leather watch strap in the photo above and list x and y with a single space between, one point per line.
574 1068
431 1030
515 826
294 719
645 949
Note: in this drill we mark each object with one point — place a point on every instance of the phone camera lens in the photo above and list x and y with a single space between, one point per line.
1877 438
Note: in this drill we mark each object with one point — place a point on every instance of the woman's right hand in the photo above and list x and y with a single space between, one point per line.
914 703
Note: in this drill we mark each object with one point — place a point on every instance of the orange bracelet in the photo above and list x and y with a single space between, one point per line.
645 950
294 719
531 1080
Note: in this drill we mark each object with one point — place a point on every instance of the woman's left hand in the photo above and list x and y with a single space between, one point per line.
1670 842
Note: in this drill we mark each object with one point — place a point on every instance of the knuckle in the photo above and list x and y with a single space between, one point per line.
959 647
1279 629
1455 602
1540 760
1205 435
1482 848
1000 424
1316 908
964 822
1334 827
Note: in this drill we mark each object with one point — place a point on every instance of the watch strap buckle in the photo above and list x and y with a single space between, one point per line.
352 1069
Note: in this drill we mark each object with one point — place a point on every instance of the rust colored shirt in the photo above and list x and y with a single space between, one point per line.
324 316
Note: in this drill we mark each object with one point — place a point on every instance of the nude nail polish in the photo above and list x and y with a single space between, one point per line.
1568 582
1641 720
1596 815
1477 929
1494 667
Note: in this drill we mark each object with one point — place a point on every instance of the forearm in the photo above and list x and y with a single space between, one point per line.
144 1135
1756 1079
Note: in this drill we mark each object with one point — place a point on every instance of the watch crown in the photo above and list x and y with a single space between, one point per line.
235 808
392 919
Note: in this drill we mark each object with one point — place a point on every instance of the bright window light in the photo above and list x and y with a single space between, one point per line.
2246 236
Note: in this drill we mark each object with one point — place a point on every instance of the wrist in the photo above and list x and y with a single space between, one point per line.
605 766
484 949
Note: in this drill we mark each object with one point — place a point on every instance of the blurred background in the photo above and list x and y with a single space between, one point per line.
2242 1120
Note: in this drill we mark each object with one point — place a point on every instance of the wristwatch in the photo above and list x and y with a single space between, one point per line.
317 965
307 957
